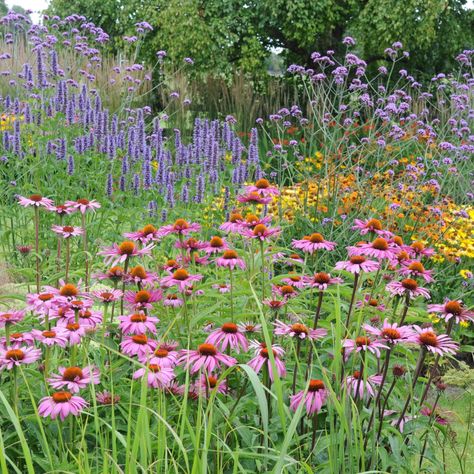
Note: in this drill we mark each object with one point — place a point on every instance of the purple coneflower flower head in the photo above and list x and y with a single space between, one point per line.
254 198
261 232
143 298
209 383
11 317
74 378
230 259
262 357
106 398
74 333
138 345
35 200
298 330
233 225
140 276
363 343
216 245
83 205
312 243
370 225
162 356
437 344
407 286
417 249
61 404
452 309
361 387
263 188
108 296
52 337
221 287
173 300
357 264
392 333
249 327
180 227
180 278
380 248
321 281
228 335
61 209
127 249
67 231
157 377
294 280
149 233
415 269
13 357
206 357
313 399
17 340
138 323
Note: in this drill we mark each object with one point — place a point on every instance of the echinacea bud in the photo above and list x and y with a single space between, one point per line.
398 370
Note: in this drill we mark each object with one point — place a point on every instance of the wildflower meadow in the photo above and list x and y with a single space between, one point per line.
182 295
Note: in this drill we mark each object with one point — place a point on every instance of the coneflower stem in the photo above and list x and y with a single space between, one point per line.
351 305
315 428
295 372
68 256
58 255
231 295
419 365
84 242
432 415
125 269
405 309
315 324
263 269
7 335
37 249
382 410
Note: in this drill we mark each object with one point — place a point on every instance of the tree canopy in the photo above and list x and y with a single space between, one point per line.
221 35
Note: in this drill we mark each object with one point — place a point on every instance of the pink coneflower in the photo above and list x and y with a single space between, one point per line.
313 399
171 265
11 317
114 274
321 281
164 357
257 346
24 250
418 249
293 259
391 333
415 269
371 303
107 296
298 330
452 309
233 224
363 343
294 280
34 200
138 323
228 335
180 227
370 225
312 243
206 357
67 231
380 248
180 278
407 286
261 232
62 404
274 303
287 291
251 221
438 418
208 383
83 205
138 345
140 276
18 339
173 300
86 317
216 245
360 386
357 264
55 336
13 357
120 253
74 333
61 209
41 302
221 287
74 378
191 245
249 327
401 258
106 398
230 259
262 187
263 357
254 198
157 377
143 299
437 344
149 233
